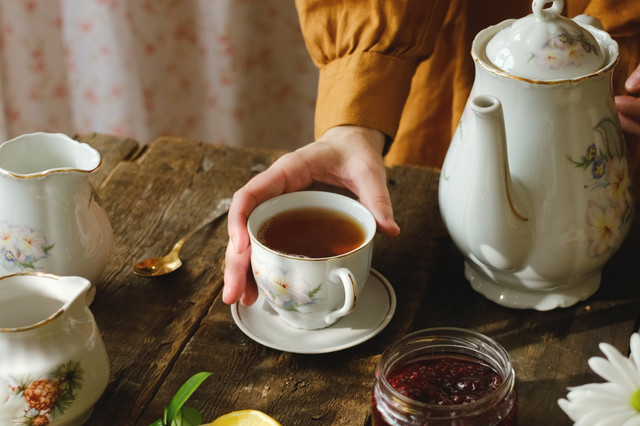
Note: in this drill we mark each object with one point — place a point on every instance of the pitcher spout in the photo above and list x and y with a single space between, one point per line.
51 296
496 218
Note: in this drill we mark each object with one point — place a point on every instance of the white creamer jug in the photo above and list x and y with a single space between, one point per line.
51 219
53 364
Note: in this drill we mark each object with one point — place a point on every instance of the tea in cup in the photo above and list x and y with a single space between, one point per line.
311 255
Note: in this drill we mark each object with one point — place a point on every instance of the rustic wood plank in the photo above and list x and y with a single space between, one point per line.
113 150
155 205
159 332
409 260
295 389
327 388
549 350
177 155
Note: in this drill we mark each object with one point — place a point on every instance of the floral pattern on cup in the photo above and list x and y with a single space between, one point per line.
563 50
610 210
22 247
40 400
285 289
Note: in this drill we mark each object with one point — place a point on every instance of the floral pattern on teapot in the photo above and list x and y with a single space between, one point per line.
287 290
563 50
38 401
610 211
22 247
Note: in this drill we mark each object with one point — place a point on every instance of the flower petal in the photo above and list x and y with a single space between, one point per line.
595 402
610 416
609 403
626 365
633 421
602 395
613 372
635 350
568 409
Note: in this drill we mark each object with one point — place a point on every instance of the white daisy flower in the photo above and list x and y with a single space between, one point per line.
615 402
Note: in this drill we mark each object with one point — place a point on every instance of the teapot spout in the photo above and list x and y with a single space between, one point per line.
496 221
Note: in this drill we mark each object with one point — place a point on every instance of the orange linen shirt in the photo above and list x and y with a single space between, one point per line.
404 66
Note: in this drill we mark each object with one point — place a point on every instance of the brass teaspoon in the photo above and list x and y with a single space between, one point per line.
155 266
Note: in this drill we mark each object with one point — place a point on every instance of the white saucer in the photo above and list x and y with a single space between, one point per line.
371 315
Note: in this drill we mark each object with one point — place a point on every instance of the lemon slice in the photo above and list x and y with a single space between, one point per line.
245 418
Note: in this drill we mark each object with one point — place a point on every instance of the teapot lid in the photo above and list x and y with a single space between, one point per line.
545 46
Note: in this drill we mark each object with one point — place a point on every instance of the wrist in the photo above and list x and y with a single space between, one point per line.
371 138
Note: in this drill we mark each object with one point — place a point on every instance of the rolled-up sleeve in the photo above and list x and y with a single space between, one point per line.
367 52
620 18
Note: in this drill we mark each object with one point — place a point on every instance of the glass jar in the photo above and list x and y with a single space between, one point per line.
475 376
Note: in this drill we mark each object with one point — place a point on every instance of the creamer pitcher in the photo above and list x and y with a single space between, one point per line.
51 219
53 364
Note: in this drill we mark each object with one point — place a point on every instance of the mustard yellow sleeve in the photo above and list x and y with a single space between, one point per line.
367 52
621 18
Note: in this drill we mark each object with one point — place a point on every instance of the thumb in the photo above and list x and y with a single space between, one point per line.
385 220
378 202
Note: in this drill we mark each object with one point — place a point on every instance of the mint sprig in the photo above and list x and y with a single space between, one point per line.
177 415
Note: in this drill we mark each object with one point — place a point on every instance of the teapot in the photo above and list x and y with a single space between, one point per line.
53 364
51 219
535 188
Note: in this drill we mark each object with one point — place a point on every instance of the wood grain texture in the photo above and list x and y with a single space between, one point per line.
146 323
158 332
112 150
327 389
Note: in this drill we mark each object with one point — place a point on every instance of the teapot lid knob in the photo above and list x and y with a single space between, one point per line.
548 14
545 45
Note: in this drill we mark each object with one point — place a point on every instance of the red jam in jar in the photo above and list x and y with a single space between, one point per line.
445 380
445 376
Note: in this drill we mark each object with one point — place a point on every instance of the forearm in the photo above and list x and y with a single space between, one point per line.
367 52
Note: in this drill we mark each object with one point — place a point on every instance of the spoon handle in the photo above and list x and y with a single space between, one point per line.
221 209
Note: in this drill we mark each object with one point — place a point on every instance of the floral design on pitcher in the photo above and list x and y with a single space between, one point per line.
287 290
43 399
564 50
610 209
22 247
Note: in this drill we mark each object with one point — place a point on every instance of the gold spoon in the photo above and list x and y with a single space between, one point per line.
155 266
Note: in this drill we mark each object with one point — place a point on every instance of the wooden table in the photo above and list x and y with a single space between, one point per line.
158 332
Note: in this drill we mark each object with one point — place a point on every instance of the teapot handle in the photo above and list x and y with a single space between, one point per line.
548 14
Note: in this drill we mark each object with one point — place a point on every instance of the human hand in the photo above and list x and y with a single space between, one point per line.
345 156
629 106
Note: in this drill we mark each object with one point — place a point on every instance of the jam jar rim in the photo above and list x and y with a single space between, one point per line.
500 393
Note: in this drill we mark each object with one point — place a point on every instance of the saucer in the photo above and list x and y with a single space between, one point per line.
371 315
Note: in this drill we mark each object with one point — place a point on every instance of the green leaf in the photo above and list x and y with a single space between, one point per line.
183 394
187 416
315 290
161 422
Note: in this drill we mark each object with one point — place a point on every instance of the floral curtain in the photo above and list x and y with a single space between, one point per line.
232 72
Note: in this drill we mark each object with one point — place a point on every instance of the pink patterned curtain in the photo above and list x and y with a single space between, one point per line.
222 71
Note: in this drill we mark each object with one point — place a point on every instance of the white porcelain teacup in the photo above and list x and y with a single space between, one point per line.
311 291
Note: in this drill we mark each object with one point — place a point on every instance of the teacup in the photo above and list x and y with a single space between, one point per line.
311 255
